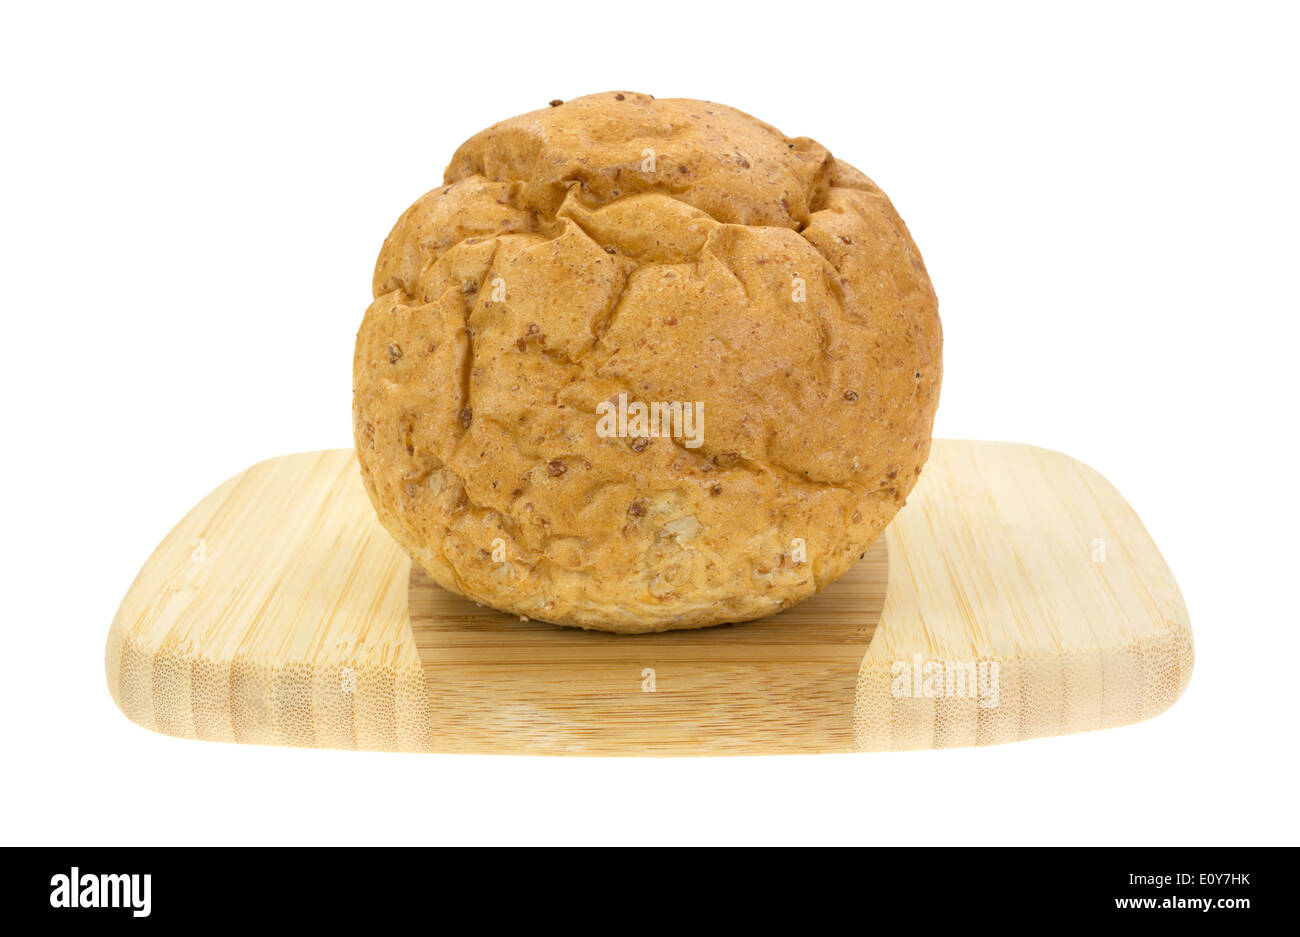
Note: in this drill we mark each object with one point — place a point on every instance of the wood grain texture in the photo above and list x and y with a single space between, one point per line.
275 613
279 612
1023 558
780 684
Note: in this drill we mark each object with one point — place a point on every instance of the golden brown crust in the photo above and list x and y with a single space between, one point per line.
668 250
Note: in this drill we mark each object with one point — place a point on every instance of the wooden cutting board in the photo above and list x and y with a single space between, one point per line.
1016 595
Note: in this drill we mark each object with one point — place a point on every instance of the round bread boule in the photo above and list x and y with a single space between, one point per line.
663 251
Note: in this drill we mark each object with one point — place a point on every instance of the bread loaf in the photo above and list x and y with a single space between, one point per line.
644 364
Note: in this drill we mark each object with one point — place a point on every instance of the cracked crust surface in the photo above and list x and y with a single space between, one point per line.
667 250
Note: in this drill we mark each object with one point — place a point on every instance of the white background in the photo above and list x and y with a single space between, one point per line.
191 206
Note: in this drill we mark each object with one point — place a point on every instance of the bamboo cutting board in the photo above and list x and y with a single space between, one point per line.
1016 595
